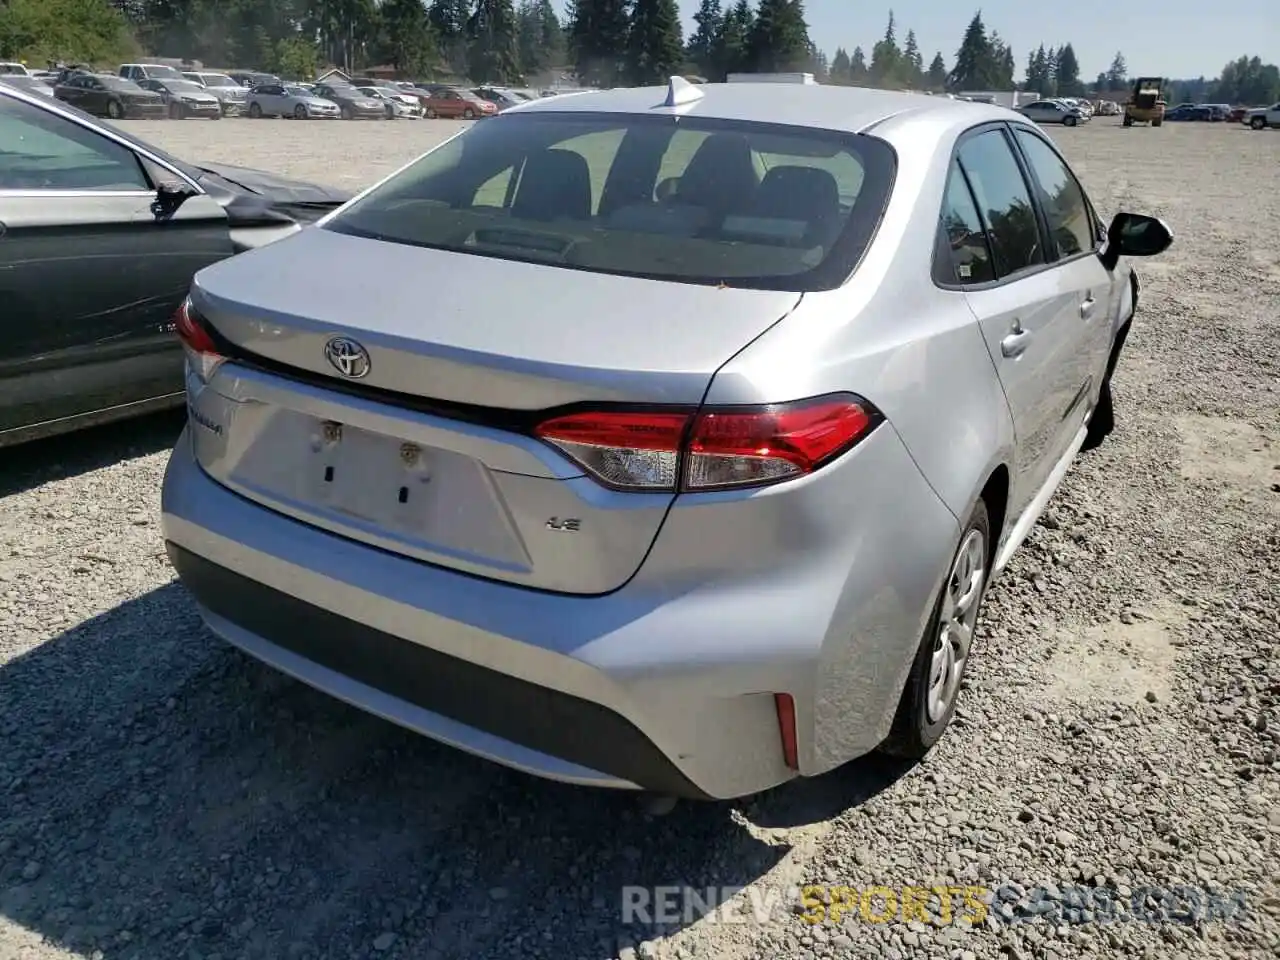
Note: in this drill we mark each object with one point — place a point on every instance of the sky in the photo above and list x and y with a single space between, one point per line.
1188 38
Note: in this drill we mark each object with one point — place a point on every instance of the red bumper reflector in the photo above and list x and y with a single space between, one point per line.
787 727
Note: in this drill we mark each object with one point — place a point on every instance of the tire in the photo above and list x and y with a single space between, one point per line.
1258 123
1128 122
255 111
115 109
175 111
347 114
929 698
217 116
468 114
1156 123
1069 121
431 113
391 112
300 112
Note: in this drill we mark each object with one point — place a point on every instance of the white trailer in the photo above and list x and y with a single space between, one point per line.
771 78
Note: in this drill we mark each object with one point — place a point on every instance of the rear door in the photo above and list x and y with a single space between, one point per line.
1028 310
1075 235
89 278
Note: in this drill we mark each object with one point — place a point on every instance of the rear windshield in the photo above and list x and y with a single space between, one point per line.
684 199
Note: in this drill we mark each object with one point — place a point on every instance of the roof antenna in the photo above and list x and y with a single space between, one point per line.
680 92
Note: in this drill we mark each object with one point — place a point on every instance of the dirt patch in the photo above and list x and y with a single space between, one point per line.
1121 661
1231 452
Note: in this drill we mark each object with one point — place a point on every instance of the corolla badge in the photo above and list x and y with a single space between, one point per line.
347 357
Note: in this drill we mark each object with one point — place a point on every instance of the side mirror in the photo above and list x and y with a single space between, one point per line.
1135 235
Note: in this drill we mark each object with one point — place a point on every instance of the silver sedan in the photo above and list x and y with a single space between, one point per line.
674 448
289 100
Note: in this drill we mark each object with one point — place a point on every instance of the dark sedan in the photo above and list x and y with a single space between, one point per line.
353 104
103 233
107 96
184 99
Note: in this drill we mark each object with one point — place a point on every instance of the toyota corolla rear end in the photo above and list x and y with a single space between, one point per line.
485 498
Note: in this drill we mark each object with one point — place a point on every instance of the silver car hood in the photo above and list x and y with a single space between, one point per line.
567 335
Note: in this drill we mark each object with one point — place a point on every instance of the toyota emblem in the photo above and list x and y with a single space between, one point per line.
347 357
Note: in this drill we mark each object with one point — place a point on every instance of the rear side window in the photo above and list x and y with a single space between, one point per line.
1004 201
684 199
964 233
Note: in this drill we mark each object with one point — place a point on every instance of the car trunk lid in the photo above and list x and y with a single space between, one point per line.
430 451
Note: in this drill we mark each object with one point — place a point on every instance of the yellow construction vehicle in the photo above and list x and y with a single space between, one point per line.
1146 104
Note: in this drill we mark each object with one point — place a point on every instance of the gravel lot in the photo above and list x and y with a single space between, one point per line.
162 797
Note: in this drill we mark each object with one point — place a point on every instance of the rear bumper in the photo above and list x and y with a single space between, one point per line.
666 684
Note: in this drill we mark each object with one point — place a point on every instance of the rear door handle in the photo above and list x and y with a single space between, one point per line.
1015 343
1087 307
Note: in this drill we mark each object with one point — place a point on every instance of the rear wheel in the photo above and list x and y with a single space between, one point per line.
1069 121
255 111
300 112
1128 121
1258 123
468 114
431 113
933 686
1156 123
115 109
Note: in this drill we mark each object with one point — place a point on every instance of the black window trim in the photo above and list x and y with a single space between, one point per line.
943 271
944 264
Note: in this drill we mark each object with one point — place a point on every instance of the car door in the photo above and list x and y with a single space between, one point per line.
89 276
1027 310
72 91
1075 237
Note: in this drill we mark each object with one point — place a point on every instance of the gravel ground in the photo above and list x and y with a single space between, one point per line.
162 797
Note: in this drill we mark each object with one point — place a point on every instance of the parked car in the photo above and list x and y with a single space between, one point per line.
12 68
455 104
289 100
1237 114
252 78
395 102
229 93
352 104
27 83
137 72
109 230
501 98
1263 117
104 95
1053 111
186 99
738 526
1185 112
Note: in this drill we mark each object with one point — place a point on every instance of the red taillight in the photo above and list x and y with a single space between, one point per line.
202 351
786 707
715 449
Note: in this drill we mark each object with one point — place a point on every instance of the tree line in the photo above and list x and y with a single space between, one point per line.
601 42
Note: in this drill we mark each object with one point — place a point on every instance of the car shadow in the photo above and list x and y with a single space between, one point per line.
30 464
163 796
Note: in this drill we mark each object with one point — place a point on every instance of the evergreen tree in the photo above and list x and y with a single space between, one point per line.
779 38
731 43
655 45
886 57
936 78
840 67
409 40
492 55
702 45
1067 75
859 75
598 32
974 69
448 19
912 73
1002 63
1117 77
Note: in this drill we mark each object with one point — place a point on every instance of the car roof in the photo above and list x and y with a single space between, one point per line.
851 109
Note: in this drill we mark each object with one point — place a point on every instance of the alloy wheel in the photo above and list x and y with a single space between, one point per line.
959 617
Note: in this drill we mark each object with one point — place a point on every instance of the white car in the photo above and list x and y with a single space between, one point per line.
1053 111
398 104
1263 117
